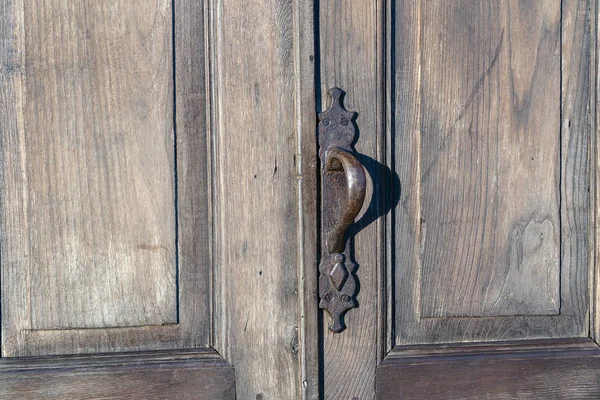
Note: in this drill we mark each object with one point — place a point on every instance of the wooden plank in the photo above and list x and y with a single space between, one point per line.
256 199
469 209
576 177
158 375
192 111
139 83
568 370
307 167
351 58
594 171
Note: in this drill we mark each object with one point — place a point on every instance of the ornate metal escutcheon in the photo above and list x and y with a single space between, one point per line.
343 187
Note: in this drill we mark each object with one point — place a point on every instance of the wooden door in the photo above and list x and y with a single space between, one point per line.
477 126
149 227
160 199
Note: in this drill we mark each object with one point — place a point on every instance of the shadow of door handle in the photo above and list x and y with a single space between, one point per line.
337 159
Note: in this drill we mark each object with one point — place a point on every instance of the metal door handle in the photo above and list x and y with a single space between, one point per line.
343 188
337 159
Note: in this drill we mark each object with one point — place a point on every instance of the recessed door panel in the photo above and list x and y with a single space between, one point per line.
104 217
491 236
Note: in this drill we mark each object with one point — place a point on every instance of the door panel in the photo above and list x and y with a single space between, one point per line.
98 211
489 159
492 239
480 232
104 217
150 202
104 197
492 235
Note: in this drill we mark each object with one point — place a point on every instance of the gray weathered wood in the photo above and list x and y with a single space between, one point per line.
351 58
307 166
97 175
594 173
256 196
484 161
158 375
489 159
88 184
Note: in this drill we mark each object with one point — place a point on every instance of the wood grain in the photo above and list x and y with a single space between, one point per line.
88 173
352 56
256 199
307 166
594 173
97 178
567 370
491 235
490 161
158 375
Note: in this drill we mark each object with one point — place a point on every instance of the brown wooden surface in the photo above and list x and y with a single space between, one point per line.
484 160
540 370
88 206
157 375
256 196
351 58
489 158
594 169
307 167
96 177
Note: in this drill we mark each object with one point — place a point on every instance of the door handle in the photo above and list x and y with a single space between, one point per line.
337 159
343 188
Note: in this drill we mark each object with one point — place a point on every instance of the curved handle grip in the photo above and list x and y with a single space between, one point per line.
337 159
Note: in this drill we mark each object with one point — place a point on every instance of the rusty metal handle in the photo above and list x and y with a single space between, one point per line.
337 159
343 188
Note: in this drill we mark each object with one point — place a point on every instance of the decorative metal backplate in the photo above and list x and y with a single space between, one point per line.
343 186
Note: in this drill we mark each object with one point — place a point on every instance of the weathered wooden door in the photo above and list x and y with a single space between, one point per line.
477 125
150 162
164 207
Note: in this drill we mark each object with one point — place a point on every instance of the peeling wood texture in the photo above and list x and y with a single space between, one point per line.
89 242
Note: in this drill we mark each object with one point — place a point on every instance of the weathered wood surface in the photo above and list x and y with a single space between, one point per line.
307 165
494 183
88 183
594 173
489 158
256 196
351 58
567 370
158 375
96 176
